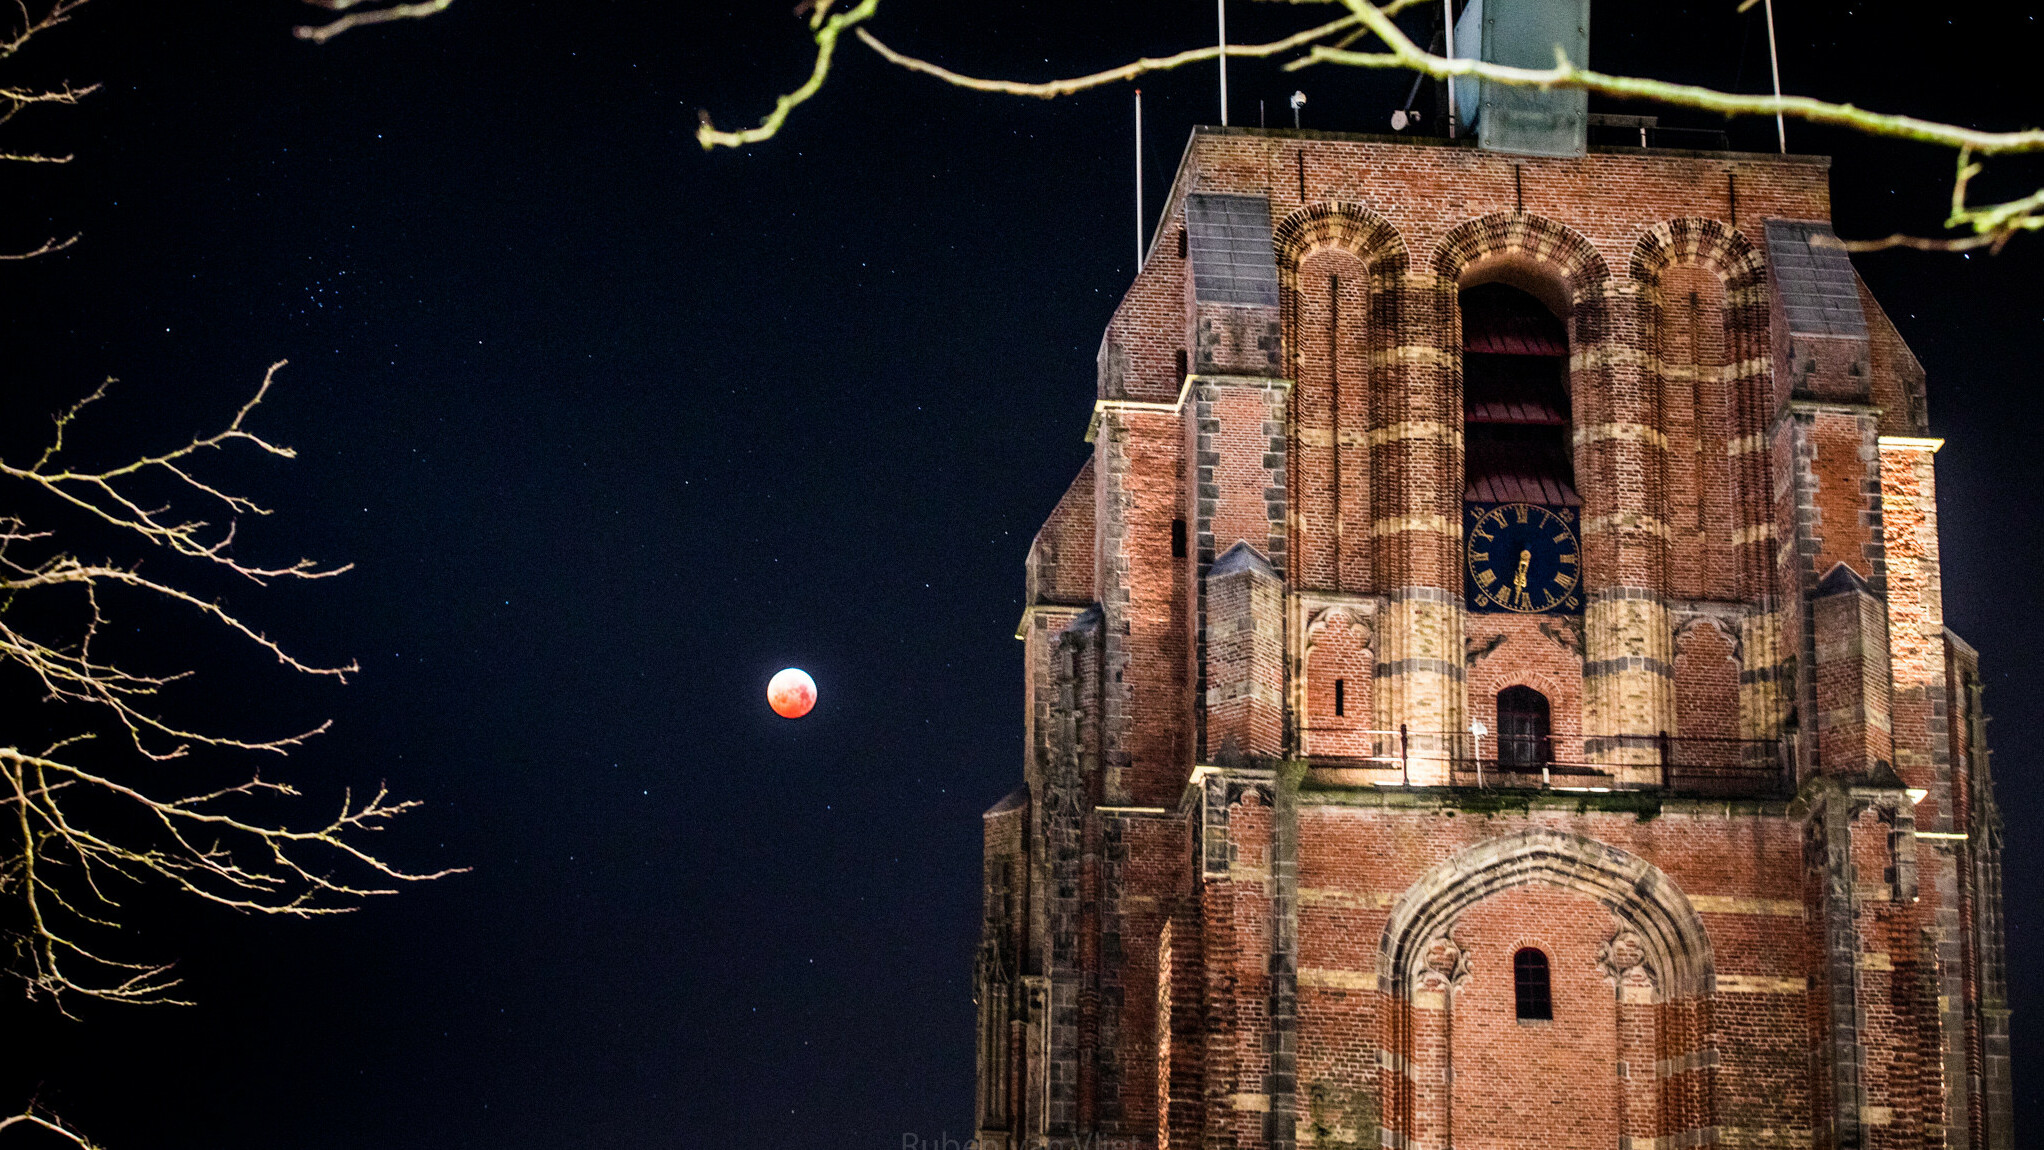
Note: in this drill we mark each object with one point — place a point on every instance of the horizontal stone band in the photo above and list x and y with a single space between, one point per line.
1626 521
1728 904
1698 1136
1760 984
1413 429
1606 355
1721 373
1337 979
1684 1063
1417 665
1635 432
1432 524
1596 668
1415 355
1424 595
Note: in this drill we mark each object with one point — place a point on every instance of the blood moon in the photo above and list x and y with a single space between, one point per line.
791 693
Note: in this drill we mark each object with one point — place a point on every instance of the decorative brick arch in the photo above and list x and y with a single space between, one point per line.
1745 380
1350 617
1644 900
1548 686
1698 622
1697 240
1350 227
1323 553
1534 239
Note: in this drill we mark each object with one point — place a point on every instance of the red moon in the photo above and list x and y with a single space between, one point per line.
791 693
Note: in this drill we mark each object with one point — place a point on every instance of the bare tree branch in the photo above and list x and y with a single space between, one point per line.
1054 88
32 26
104 495
80 832
26 25
827 28
1992 226
1405 54
34 1118
321 33
52 244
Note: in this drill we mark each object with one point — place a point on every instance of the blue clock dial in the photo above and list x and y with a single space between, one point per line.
1523 558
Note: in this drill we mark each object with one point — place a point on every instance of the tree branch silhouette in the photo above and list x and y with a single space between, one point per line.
1991 225
83 822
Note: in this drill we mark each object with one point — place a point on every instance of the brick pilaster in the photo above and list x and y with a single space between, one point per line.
1415 441
1621 455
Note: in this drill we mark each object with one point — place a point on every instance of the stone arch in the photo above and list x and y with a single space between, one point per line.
1707 664
1696 239
1513 246
1556 692
1362 621
1724 629
1639 895
1352 227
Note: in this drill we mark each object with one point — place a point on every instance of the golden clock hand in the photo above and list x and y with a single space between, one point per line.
1519 580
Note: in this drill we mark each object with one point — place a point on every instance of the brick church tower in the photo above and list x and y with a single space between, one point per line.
1489 687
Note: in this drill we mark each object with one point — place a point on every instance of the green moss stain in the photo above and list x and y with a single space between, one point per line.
1342 1118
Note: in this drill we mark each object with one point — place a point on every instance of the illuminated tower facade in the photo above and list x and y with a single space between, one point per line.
1489 686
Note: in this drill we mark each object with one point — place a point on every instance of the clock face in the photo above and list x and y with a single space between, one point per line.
1522 557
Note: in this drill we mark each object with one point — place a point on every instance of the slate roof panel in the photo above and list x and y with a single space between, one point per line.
1814 279
1228 238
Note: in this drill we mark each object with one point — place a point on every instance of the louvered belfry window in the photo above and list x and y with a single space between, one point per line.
1515 400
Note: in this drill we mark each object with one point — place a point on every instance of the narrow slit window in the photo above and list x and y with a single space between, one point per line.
1340 697
1181 365
1178 538
1531 987
1181 243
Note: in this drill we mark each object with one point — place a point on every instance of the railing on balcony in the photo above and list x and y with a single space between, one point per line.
1690 765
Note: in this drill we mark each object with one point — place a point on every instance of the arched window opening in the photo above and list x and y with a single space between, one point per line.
1524 728
1530 986
1515 400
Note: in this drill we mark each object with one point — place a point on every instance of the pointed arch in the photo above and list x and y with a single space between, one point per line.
1637 893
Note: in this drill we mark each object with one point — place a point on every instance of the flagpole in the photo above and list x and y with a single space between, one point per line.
1139 181
1448 13
1774 62
1222 5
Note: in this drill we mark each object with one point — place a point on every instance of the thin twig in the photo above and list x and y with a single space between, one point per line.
827 28
321 33
1051 89
66 852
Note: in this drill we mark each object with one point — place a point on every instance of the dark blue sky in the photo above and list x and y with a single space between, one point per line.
613 429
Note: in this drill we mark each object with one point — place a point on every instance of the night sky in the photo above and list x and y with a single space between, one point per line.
613 429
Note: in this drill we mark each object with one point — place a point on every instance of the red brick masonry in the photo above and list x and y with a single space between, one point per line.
1268 870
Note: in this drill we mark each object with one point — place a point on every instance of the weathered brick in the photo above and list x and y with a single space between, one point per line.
1253 893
